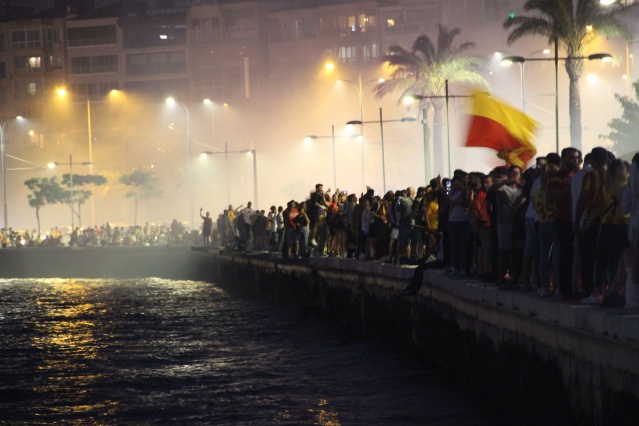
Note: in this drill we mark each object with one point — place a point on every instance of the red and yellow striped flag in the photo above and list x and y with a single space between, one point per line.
495 124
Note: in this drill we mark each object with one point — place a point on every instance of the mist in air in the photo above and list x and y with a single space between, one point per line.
265 133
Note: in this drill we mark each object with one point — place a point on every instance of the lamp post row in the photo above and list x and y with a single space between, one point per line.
522 60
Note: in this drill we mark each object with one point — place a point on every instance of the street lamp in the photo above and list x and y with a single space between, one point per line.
522 66
4 171
381 128
172 101
311 137
446 96
71 164
360 87
605 57
226 153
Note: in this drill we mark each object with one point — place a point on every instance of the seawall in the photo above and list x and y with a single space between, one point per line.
543 361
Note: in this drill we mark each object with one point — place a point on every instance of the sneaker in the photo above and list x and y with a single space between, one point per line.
590 300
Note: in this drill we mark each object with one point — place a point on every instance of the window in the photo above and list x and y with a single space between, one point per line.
393 21
370 52
23 38
2 43
240 20
347 53
154 34
204 30
94 64
3 70
156 63
92 36
27 88
26 64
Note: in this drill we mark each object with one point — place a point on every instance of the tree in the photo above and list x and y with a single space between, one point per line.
624 130
144 186
44 191
79 194
574 27
424 71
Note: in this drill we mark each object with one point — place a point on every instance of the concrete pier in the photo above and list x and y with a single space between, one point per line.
552 362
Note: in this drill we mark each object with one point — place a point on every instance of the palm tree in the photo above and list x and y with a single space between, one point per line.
424 70
574 27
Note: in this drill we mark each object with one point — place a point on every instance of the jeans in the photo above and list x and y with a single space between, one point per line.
303 240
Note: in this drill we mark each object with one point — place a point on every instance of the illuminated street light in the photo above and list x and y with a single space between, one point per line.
605 57
360 87
446 96
381 128
172 101
71 164
226 153
505 62
332 136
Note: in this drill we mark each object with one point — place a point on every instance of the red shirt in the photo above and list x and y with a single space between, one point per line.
288 221
479 206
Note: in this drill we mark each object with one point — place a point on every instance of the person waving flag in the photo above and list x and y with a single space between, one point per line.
497 125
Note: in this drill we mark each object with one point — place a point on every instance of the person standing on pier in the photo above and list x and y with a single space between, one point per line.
207 227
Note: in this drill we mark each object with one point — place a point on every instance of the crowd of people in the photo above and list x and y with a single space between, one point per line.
103 236
566 227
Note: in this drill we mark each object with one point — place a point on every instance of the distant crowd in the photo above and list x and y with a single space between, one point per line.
102 236
566 227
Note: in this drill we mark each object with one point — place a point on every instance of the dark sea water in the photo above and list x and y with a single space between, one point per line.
156 351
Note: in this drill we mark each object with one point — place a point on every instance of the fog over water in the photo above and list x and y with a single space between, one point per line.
133 133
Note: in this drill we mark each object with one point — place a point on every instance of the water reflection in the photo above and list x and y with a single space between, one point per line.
182 352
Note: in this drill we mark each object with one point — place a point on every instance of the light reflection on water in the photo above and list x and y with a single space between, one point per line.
179 352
